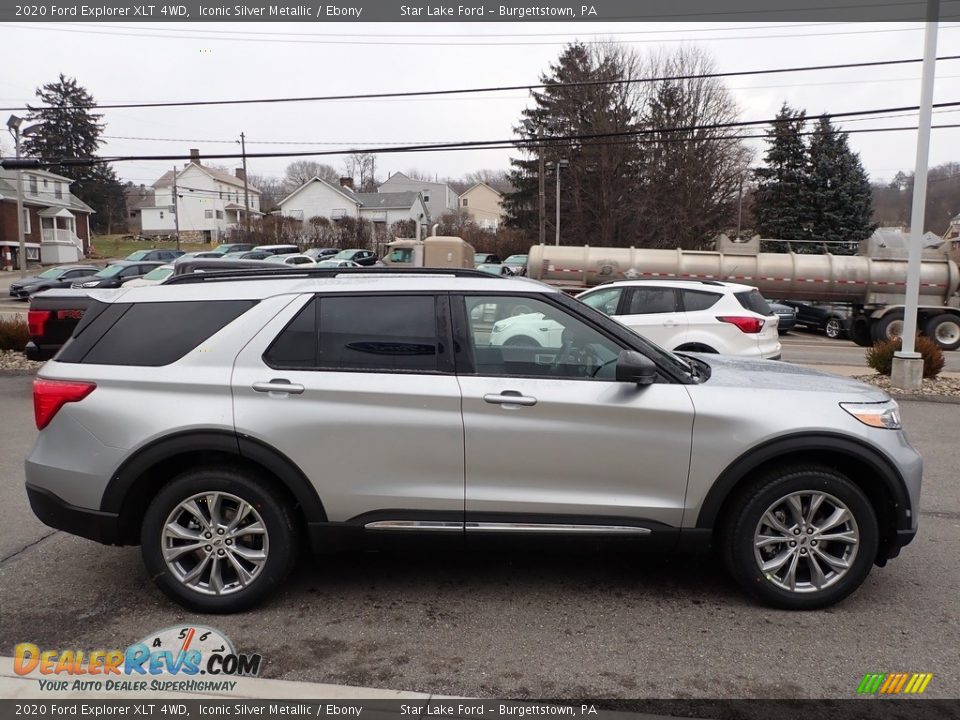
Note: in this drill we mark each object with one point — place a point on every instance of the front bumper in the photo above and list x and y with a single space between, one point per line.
19 293
57 513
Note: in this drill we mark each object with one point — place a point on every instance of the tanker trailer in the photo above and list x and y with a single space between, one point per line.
873 284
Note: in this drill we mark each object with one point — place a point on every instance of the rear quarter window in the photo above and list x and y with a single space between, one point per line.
149 334
752 300
694 300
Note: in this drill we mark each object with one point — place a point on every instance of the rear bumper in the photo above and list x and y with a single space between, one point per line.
39 352
56 512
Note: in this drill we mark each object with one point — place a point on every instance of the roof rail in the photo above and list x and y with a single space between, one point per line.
198 271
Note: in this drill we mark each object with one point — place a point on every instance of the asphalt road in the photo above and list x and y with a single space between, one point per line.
515 625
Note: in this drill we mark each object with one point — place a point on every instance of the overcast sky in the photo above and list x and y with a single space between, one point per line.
170 62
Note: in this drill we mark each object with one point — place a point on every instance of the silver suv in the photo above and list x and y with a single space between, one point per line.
217 421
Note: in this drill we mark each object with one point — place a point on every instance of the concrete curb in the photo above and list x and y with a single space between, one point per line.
22 687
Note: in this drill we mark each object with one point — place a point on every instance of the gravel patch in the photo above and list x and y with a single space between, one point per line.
940 386
14 361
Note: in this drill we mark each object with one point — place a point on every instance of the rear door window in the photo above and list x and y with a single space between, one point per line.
651 301
694 300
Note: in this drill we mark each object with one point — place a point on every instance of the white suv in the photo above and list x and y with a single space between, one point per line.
692 315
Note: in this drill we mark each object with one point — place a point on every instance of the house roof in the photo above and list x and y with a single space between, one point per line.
406 178
166 180
8 191
388 200
479 184
346 192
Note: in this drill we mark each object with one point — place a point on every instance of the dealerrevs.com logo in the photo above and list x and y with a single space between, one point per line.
170 660
898 683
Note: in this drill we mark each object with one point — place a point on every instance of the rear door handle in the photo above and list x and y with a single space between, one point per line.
509 397
278 385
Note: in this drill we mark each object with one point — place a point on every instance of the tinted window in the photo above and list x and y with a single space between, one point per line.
697 300
754 301
388 332
652 300
521 336
150 334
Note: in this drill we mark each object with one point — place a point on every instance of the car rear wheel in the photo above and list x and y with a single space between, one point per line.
833 328
801 538
218 540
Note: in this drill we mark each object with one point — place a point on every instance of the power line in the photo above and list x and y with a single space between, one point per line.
502 88
521 143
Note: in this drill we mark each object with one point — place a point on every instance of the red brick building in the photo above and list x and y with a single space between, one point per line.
56 223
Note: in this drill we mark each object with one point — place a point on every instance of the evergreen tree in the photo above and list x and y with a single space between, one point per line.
782 198
68 128
840 192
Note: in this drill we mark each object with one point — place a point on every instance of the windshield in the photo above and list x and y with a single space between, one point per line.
52 273
344 255
516 260
160 273
138 255
110 271
401 255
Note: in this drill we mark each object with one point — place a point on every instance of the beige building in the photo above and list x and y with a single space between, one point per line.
484 204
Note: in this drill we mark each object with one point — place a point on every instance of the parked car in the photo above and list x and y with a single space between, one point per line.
201 255
233 248
55 277
116 274
787 317
486 259
291 259
694 316
319 254
517 264
252 444
154 277
832 320
254 255
331 263
154 254
360 257
277 249
494 269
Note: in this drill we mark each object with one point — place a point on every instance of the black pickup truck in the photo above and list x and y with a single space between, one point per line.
54 314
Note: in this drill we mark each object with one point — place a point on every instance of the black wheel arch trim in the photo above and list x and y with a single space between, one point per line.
242 446
757 456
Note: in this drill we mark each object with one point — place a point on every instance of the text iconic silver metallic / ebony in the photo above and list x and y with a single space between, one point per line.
217 420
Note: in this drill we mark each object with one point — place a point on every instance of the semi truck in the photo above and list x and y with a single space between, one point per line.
439 251
872 283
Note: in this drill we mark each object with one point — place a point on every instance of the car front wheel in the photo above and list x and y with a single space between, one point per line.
218 539
801 538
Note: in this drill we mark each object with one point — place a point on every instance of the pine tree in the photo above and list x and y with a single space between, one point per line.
68 128
840 192
782 199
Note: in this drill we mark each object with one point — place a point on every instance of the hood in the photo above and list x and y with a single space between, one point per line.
23 282
773 375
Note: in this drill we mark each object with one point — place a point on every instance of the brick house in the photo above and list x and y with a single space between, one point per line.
56 223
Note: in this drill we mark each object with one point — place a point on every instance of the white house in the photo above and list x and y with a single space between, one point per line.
320 198
209 203
56 224
437 196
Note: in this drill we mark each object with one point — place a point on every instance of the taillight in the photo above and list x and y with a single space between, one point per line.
51 395
745 324
36 321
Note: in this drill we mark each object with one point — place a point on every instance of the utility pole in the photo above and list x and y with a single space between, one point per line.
543 193
907 371
176 207
246 191
739 207
560 164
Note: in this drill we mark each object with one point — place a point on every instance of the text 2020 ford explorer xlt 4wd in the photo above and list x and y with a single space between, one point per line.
216 421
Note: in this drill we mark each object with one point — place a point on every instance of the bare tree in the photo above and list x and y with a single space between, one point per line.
691 177
302 171
272 190
362 167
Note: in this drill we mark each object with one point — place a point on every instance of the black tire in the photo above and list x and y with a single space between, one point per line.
274 512
944 330
889 327
860 331
522 341
833 327
743 523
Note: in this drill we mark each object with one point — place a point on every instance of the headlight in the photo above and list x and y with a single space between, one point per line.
92 283
879 415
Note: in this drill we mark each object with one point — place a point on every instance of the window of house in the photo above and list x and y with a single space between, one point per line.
58 190
133 213
26 221
426 198
45 183
465 202
219 214
208 214
161 214
33 184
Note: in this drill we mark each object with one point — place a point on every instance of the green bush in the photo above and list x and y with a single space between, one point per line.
880 356
13 333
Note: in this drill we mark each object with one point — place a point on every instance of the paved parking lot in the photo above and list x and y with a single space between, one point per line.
514 625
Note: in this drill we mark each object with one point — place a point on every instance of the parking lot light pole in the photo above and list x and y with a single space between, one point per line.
13 124
907 370
560 164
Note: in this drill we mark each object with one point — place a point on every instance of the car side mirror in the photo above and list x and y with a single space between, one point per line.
634 367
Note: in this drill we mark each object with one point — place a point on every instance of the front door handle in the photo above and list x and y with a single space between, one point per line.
509 397
278 385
